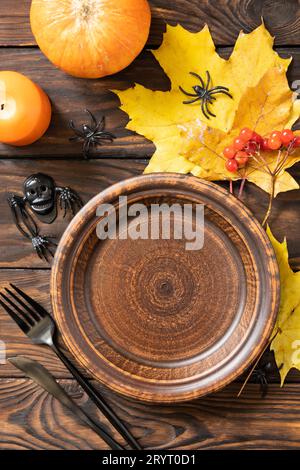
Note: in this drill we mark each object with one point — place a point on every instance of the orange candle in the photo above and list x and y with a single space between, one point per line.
25 110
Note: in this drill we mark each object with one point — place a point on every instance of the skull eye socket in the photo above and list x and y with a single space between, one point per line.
43 188
32 191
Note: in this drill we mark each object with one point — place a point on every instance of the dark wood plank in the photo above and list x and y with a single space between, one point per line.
225 17
71 96
89 178
31 419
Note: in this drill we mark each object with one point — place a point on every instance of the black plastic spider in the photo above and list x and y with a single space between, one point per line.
260 375
92 134
204 94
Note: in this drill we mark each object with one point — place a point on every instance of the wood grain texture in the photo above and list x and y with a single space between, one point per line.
89 178
225 17
31 419
71 96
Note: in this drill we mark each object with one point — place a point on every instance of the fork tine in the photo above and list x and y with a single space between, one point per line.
32 313
15 317
33 303
23 314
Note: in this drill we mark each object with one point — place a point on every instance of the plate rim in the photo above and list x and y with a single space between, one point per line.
171 179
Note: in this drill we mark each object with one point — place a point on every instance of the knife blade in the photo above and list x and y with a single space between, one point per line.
40 375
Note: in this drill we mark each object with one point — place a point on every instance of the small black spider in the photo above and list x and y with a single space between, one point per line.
260 375
92 134
204 94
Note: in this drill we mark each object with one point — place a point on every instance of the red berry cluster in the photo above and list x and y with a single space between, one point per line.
249 142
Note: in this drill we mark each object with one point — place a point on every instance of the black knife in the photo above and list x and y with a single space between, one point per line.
42 377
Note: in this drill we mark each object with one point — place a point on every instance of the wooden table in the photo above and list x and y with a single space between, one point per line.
29 419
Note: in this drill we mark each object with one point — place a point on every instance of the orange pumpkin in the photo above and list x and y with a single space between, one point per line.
90 38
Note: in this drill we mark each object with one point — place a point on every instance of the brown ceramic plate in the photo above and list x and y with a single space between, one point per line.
155 321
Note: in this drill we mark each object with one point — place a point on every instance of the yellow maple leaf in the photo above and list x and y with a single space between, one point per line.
286 343
268 106
164 119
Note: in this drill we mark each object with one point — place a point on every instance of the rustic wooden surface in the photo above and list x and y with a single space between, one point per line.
30 419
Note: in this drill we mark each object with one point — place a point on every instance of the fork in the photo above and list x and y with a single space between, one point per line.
39 326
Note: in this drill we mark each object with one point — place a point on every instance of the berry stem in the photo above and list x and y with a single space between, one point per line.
242 185
271 197
230 187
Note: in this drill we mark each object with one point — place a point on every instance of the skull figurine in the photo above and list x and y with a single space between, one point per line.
39 191
43 197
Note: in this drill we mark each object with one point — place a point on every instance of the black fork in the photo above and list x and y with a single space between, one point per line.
39 326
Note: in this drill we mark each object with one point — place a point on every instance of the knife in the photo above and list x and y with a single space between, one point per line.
40 375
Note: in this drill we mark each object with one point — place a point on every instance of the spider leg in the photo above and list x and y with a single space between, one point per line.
93 142
86 149
75 138
219 88
104 136
208 110
101 125
199 78
221 91
204 110
208 80
264 387
186 93
210 99
77 131
93 119
105 133
192 101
